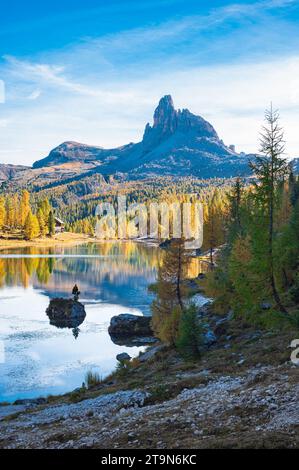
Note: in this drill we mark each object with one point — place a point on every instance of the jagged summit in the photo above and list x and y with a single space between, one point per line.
178 143
168 121
165 114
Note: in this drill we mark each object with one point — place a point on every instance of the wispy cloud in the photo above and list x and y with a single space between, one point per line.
34 95
54 76
244 27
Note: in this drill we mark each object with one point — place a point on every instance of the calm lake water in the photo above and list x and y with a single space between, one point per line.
36 358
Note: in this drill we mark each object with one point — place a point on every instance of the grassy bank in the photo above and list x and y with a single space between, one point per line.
66 238
14 240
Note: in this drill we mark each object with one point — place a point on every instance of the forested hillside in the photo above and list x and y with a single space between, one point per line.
255 274
22 219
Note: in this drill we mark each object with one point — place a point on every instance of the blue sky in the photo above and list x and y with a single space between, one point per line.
93 71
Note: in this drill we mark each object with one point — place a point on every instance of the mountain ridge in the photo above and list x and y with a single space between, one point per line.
179 143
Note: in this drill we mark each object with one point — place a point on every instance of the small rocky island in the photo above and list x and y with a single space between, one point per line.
66 313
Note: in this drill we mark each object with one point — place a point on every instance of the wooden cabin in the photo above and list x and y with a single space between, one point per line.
59 225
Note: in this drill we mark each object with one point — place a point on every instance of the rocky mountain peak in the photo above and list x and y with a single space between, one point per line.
167 121
165 115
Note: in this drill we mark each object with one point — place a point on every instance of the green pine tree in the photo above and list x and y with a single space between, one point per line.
51 224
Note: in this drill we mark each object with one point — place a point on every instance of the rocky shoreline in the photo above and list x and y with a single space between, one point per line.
254 409
242 393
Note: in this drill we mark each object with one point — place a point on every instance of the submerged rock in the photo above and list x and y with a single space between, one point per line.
132 341
66 313
165 244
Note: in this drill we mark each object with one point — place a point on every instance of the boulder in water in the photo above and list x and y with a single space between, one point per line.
66 313
128 326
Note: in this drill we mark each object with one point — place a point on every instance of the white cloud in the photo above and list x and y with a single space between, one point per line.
34 95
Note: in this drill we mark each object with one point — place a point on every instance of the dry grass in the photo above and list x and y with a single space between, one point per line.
68 238
92 379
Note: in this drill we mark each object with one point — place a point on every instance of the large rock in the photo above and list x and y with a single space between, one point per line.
123 357
209 336
66 313
128 326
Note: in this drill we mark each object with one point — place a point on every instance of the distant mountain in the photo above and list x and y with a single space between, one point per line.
8 171
69 152
178 143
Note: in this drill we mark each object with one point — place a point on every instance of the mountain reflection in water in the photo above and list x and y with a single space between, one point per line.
110 272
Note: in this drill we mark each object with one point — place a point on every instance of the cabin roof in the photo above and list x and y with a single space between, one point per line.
59 221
